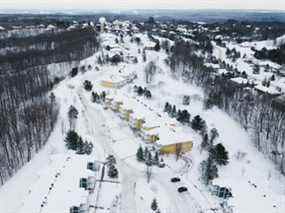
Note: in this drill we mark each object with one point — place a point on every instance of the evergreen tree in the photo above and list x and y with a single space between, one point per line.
144 55
213 135
167 107
100 60
205 142
256 69
173 111
149 159
183 116
179 116
103 96
140 91
74 72
154 205
147 94
113 171
95 97
198 123
80 146
157 46
140 154
228 52
219 154
72 139
209 171
156 158
72 112
87 85
145 153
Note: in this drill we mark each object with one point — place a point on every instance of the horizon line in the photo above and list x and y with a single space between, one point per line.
85 10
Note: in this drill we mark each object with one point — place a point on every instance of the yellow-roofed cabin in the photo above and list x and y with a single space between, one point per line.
108 84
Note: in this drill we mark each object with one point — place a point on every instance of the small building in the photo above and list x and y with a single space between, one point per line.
271 90
91 182
136 122
83 183
150 134
181 147
112 84
93 166
220 191
83 208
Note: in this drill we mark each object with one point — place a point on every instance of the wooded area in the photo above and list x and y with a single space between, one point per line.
27 111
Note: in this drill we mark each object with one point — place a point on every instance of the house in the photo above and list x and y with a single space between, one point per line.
136 122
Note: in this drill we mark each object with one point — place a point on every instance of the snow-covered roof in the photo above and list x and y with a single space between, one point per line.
168 129
215 66
50 26
239 80
268 90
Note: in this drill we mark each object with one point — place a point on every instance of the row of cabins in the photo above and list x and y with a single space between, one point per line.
154 130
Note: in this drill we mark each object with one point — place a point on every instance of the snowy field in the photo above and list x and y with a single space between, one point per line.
50 182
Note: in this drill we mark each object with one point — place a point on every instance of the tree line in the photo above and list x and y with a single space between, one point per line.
28 111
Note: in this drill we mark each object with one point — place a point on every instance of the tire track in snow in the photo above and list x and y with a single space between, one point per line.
128 204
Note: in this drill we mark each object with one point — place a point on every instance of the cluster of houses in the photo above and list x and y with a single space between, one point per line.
116 26
164 133
118 81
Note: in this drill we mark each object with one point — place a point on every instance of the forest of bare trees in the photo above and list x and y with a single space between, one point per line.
28 110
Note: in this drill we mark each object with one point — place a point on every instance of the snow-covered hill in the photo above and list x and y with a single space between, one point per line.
50 182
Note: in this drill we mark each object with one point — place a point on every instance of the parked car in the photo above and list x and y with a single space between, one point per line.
74 209
182 189
175 179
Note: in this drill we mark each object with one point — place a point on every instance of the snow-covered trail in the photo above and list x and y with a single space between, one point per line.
129 176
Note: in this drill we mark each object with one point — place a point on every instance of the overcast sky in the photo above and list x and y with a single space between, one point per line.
143 4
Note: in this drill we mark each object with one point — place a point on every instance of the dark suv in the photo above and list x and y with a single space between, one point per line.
182 189
175 179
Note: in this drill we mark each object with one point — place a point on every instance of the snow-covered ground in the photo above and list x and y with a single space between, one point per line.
52 177
276 87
